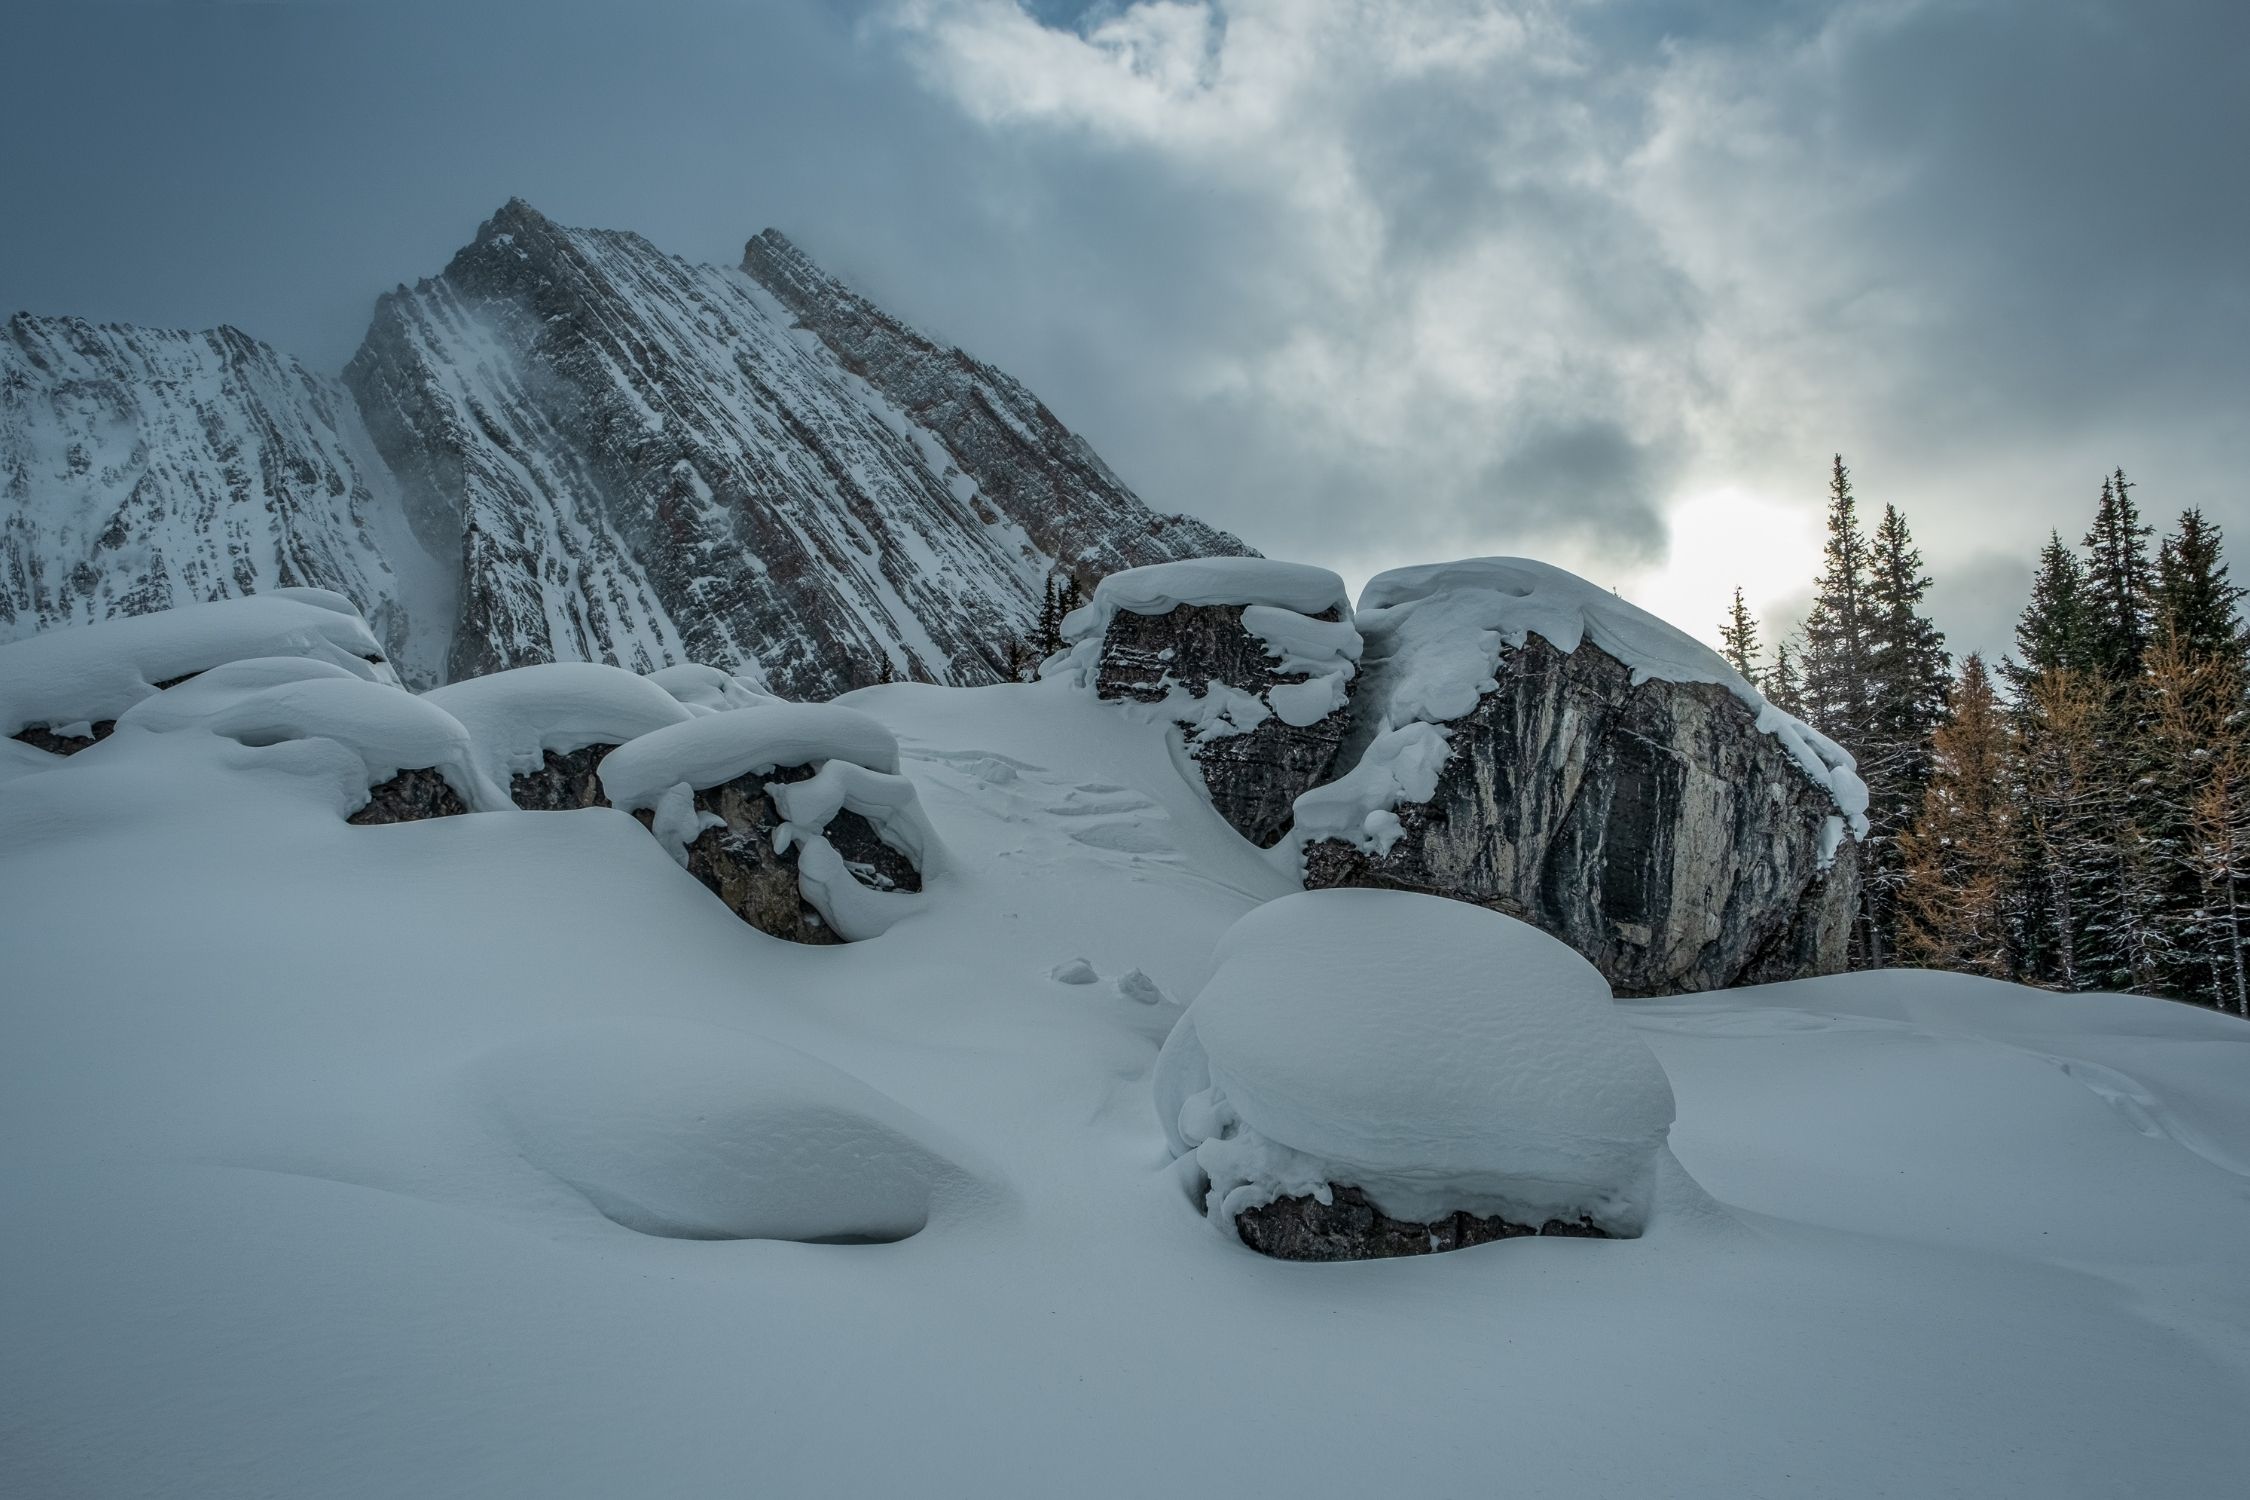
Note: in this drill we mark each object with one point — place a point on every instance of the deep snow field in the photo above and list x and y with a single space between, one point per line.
419 1160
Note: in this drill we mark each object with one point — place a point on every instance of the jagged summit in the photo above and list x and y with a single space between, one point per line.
571 445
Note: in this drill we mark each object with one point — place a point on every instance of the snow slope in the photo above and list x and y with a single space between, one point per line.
490 1155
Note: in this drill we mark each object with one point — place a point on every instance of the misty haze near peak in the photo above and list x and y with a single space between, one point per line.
1602 283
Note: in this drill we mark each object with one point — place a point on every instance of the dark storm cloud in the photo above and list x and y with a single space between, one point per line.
1365 283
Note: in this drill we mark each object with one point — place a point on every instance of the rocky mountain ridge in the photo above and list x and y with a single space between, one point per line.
571 446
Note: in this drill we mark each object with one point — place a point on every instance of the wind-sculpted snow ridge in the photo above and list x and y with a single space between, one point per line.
1439 1058
1439 631
145 468
71 680
643 462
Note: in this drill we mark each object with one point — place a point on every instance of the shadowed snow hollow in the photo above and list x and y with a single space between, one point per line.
1439 1058
699 1133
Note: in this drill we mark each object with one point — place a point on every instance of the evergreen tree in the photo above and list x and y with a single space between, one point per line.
2193 600
1834 659
2053 630
1906 702
2117 583
1956 898
1738 638
1782 685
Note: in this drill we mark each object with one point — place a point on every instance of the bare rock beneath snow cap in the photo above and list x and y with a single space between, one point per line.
1530 743
390 756
542 731
1374 1073
1253 660
793 814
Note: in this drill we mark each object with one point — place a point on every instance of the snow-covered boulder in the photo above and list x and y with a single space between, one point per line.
62 690
541 731
1374 1073
794 814
1252 658
392 757
1530 742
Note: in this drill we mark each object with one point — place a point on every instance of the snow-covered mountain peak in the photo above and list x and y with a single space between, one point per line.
570 445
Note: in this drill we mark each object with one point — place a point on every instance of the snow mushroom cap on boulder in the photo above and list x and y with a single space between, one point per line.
835 847
402 757
1437 1058
80 678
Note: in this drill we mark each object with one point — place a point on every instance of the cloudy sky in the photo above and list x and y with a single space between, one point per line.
1601 281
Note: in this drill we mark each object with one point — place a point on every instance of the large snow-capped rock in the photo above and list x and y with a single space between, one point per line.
1531 743
1251 658
570 446
143 468
642 461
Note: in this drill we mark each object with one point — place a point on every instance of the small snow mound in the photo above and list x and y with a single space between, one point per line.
515 717
1161 587
89 673
1437 1056
1140 989
697 1133
708 690
1076 971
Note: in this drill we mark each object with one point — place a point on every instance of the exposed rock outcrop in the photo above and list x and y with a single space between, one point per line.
1654 828
738 860
44 737
1350 1228
563 782
1254 775
409 797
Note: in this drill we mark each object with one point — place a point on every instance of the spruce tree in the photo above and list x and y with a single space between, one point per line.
2052 631
1782 685
1834 660
1955 901
2117 583
1906 702
2067 821
1738 638
2193 600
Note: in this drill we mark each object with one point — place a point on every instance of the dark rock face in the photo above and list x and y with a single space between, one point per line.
563 782
41 737
1025 464
1652 828
1254 778
1351 1228
740 865
409 797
